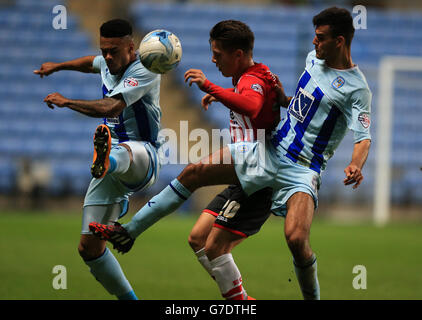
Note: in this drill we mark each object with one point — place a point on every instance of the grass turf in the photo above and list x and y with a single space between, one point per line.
161 265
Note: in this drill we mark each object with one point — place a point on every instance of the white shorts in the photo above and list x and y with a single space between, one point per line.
111 189
258 166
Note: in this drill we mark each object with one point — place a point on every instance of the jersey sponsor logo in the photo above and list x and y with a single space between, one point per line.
113 120
258 88
364 119
301 104
130 82
338 82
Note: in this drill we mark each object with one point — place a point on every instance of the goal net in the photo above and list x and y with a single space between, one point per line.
398 144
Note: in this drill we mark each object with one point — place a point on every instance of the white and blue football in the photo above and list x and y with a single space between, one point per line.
160 51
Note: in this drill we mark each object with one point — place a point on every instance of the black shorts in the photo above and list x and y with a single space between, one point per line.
238 213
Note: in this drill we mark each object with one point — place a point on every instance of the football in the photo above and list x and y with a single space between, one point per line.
160 51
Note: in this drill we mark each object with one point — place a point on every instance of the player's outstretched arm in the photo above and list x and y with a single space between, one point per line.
248 104
83 64
195 76
198 77
354 170
109 107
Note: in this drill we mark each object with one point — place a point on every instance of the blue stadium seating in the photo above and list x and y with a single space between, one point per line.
283 37
29 129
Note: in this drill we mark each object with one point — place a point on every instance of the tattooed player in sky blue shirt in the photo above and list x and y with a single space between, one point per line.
125 145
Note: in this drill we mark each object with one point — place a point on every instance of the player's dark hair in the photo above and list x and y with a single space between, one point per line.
340 21
233 35
115 28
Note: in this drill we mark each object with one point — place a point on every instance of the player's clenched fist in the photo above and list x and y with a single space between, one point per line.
195 76
55 99
47 68
353 175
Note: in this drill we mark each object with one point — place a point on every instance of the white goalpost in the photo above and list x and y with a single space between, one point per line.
388 66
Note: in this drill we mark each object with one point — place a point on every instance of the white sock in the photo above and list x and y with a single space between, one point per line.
228 277
203 260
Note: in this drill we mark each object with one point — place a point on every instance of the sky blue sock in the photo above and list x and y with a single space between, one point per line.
128 296
119 160
106 269
308 280
113 164
164 203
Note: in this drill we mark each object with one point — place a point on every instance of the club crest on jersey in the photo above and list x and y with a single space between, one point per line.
338 82
242 148
258 88
301 104
130 82
231 115
364 119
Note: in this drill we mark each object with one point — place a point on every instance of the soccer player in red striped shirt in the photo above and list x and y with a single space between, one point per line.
232 216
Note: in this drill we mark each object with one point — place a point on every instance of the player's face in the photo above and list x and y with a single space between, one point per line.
224 60
325 44
117 53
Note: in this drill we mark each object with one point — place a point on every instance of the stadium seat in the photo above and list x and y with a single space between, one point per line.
292 29
283 38
28 128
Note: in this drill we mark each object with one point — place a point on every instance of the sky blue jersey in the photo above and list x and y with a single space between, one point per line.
327 103
140 89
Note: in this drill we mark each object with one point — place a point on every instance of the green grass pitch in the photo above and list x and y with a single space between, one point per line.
161 265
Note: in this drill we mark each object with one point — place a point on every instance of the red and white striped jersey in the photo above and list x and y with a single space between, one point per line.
251 103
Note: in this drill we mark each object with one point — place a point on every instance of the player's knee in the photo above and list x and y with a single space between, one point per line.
190 175
195 241
89 251
296 239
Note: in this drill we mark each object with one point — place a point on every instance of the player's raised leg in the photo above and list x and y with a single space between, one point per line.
102 263
213 171
205 173
107 159
300 211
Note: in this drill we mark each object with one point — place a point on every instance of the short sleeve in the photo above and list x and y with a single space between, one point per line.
135 85
310 59
96 64
360 121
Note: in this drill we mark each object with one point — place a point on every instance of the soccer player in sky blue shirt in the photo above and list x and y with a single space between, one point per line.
125 145
331 97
